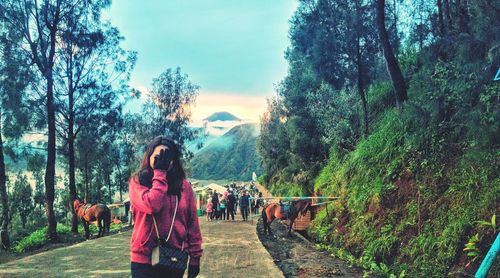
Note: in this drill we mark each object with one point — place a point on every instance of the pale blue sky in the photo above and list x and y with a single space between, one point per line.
233 49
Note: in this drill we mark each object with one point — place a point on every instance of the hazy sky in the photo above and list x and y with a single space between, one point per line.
232 49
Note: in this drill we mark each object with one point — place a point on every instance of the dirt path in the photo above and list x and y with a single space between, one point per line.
296 257
231 249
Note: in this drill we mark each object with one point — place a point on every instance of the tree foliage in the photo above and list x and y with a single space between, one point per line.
411 191
168 107
22 201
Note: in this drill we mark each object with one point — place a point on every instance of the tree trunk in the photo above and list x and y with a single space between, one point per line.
462 16
71 153
448 14
396 35
4 233
397 79
120 179
365 105
50 170
440 17
109 189
466 9
359 64
72 179
86 183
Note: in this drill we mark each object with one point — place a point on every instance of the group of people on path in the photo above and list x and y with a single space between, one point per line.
223 206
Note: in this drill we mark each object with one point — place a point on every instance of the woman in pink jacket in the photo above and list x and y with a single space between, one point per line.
153 191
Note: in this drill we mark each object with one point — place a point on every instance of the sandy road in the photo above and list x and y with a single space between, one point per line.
231 249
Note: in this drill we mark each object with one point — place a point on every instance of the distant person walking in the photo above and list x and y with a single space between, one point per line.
215 205
237 197
231 202
257 203
223 203
210 210
244 203
254 188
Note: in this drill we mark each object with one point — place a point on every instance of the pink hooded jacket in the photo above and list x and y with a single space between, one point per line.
146 201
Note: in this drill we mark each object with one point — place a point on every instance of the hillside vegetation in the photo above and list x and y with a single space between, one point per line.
232 156
417 177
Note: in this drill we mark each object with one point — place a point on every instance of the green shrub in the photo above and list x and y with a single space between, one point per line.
35 240
38 238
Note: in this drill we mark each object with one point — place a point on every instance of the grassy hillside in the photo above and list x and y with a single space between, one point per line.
409 143
232 156
412 195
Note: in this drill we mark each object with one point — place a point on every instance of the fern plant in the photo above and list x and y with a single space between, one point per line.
492 223
471 249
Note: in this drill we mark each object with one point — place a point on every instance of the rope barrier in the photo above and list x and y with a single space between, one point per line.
299 197
317 204
324 203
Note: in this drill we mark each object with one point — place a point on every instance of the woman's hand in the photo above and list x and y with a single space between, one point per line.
163 160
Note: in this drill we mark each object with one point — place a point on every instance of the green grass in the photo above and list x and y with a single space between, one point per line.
424 234
286 190
39 237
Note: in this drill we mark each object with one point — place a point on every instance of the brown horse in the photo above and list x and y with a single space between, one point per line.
93 212
284 211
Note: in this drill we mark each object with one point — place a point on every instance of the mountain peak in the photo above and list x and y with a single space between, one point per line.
231 156
221 116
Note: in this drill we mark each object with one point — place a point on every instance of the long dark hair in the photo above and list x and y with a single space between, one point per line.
176 174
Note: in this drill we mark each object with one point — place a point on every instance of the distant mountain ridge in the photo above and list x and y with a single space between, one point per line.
216 125
231 156
221 116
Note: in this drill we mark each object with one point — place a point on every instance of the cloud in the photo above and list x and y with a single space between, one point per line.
248 108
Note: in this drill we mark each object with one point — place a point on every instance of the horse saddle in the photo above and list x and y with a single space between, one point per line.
286 209
86 207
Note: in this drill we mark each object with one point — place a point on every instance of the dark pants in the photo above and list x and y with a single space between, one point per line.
223 213
230 211
244 212
255 209
148 271
215 213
